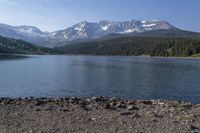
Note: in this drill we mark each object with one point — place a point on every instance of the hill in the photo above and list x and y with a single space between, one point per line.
14 46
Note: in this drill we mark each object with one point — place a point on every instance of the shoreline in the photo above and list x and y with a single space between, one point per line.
97 114
140 56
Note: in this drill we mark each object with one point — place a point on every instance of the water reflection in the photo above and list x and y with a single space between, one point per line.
12 57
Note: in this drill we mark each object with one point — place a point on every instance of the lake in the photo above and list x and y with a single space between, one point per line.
87 76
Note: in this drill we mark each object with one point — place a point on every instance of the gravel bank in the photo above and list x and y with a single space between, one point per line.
97 115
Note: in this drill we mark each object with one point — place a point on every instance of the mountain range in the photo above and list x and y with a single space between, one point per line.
83 31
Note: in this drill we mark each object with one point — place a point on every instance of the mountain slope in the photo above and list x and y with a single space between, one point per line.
172 33
13 46
27 33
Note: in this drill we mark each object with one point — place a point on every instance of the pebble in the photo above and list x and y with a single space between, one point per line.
194 129
107 106
120 105
88 107
92 119
132 107
37 109
135 115
161 103
131 102
112 104
94 98
65 110
147 102
126 113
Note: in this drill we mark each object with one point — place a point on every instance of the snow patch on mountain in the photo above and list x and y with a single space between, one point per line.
105 27
128 31
148 25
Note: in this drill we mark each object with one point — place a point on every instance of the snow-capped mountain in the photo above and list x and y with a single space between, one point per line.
27 33
80 31
86 30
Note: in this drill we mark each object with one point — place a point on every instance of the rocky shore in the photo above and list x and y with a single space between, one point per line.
97 115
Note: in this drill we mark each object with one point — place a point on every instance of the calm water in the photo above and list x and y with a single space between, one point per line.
125 77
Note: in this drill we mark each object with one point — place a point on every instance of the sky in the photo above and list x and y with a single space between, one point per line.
51 15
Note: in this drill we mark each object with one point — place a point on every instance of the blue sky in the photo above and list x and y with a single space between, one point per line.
50 15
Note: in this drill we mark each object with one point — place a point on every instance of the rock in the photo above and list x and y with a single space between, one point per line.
6 101
98 99
49 109
132 107
161 103
148 102
194 129
107 106
66 98
176 122
120 105
171 115
89 107
94 98
38 102
82 102
155 121
130 102
1 99
65 110
73 100
157 114
187 106
135 115
112 104
126 113
92 119
37 109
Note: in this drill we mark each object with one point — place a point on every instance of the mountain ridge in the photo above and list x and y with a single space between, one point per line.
81 31
91 30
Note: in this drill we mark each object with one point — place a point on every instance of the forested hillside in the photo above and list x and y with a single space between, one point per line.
152 46
13 46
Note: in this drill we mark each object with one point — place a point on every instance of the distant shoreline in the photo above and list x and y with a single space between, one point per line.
97 114
170 57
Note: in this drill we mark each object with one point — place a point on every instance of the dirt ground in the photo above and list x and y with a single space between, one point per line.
97 115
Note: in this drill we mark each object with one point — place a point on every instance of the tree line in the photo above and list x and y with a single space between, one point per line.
152 46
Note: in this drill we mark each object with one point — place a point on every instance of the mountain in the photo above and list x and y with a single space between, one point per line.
14 46
81 31
86 30
178 33
28 33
